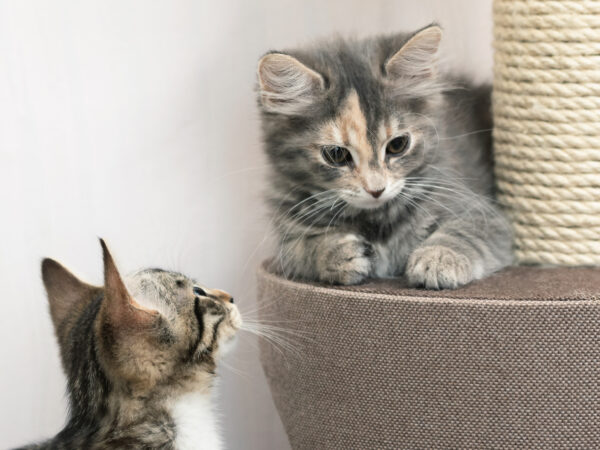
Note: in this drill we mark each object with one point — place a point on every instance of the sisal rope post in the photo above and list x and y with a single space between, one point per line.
546 103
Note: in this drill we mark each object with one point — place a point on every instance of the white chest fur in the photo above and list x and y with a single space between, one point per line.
195 424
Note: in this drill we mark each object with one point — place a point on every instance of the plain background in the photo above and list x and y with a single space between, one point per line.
136 121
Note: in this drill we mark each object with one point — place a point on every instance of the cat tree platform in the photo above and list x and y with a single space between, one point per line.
512 361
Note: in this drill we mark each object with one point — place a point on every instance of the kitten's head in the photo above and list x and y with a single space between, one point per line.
353 118
152 328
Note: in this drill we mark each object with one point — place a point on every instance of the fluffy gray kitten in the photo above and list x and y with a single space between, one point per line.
381 166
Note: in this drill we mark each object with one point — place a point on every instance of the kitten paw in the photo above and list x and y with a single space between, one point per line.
346 260
438 267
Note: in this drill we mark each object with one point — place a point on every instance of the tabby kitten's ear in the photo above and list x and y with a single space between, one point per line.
121 310
417 57
286 85
66 293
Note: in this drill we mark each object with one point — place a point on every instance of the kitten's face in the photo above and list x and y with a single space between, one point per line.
196 320
190 327
159 329
365 163
351 118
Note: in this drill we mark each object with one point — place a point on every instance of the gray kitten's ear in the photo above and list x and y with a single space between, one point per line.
66 292
416 58
286 85
121 310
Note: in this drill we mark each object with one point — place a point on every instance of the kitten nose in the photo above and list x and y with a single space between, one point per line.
375 194
221 295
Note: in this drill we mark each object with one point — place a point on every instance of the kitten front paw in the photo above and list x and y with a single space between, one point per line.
438 267
347 259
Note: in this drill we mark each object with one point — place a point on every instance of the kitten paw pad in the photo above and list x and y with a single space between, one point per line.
438 267
347 260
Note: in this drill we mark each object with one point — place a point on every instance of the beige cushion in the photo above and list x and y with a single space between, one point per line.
512 361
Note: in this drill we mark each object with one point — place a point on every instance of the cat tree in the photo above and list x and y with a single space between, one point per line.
547 127
512 361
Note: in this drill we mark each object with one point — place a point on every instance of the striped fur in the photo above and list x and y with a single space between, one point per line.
139 356
427 213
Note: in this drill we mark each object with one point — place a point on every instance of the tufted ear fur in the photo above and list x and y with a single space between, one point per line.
287 86
417 57
121 310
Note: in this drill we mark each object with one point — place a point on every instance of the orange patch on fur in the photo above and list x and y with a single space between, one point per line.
349 129
225 297
353 127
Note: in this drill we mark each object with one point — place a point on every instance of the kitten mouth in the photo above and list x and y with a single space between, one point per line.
371 203
235 320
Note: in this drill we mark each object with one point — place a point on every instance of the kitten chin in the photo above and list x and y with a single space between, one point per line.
227 346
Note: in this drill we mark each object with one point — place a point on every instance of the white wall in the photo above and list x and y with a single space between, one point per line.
135 121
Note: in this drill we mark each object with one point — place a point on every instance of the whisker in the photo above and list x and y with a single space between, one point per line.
281 344
485 130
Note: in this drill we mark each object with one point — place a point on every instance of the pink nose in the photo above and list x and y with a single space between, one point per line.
375 194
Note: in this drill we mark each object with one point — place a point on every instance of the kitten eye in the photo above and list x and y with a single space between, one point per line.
337 156
398 145
199 291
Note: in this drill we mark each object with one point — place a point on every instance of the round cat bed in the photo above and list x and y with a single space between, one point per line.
512 361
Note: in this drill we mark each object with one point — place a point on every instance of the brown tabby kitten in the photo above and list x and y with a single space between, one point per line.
140 360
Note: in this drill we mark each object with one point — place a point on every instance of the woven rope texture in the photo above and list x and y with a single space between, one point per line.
547 129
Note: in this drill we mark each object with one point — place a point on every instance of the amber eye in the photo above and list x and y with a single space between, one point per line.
398 145
337 156
199 291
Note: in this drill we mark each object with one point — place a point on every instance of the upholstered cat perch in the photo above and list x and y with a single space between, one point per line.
511 361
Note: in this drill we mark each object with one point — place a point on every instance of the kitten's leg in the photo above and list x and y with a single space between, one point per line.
460 251
333 257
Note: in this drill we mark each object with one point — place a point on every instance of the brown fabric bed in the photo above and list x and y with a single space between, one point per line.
512 361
